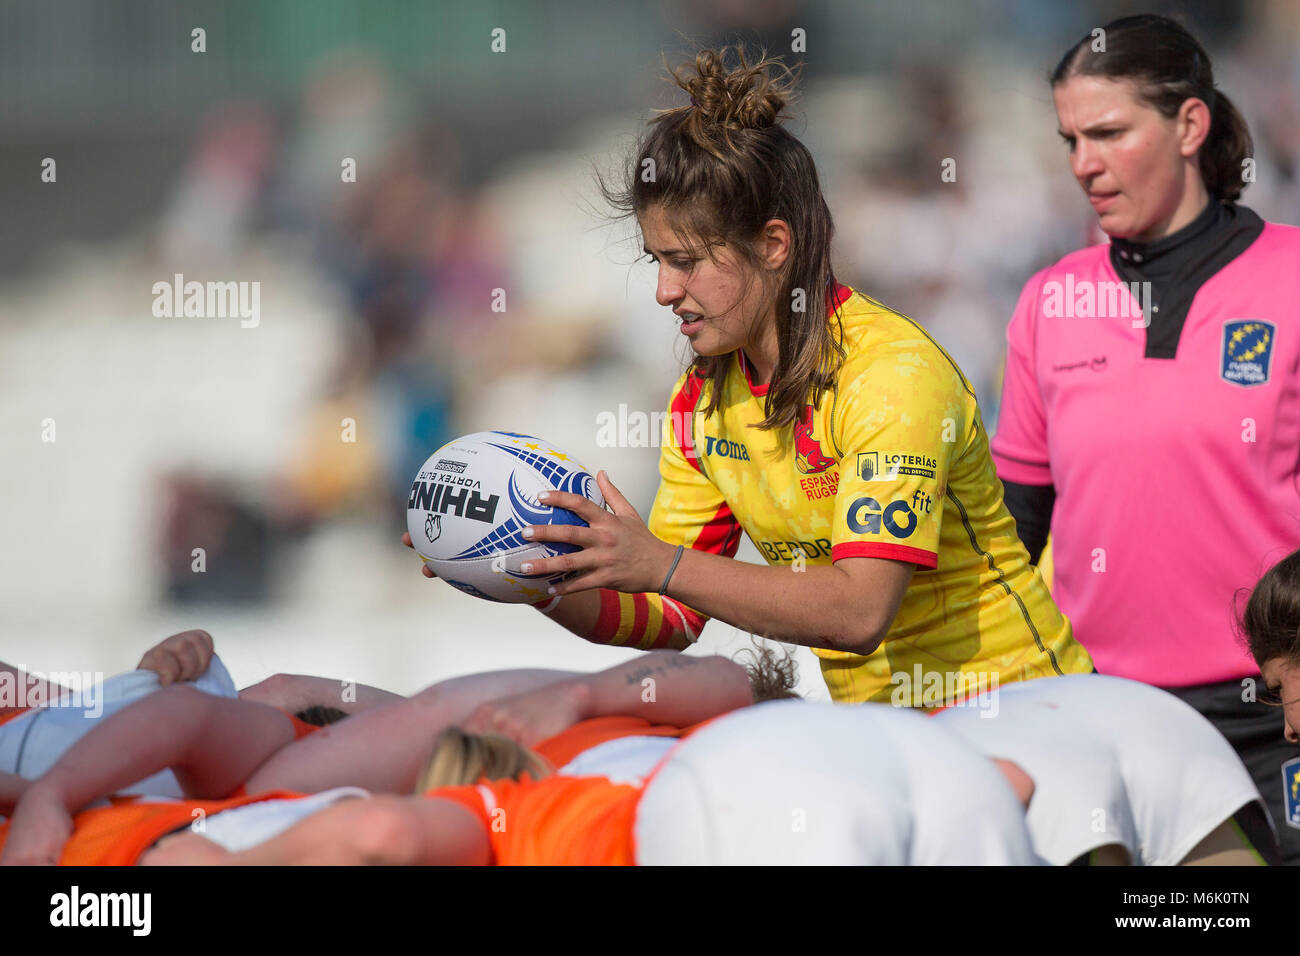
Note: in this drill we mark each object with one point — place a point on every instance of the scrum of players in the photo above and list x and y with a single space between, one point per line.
722 764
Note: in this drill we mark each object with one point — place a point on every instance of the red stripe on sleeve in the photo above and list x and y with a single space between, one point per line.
640 616
682 412
694 619
721 535
610 614
667 626
894 552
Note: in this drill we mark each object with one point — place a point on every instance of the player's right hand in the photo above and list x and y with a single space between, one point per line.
406 540
12 787
183 656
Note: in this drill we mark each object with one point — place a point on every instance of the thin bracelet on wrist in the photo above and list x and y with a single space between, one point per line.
677 557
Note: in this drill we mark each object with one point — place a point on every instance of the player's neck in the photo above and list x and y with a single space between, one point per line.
761 355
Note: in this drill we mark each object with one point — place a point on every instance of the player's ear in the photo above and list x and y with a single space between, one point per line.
774 243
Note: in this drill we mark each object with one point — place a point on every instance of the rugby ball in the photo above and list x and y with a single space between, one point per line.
471 502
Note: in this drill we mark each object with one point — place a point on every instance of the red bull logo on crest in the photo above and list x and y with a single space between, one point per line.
808 456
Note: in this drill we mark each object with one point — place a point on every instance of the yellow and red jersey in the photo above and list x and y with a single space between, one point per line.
892 463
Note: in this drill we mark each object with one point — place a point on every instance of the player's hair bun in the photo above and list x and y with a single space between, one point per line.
739 97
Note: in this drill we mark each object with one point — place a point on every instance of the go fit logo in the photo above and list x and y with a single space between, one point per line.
866 516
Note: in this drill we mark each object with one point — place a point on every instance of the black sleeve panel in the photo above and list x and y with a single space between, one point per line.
1031 506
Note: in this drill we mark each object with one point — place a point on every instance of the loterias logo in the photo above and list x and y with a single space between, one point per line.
895 464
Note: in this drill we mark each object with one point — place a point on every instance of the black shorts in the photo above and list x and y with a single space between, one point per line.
1255 732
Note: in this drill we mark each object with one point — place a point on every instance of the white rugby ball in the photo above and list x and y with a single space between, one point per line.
471 502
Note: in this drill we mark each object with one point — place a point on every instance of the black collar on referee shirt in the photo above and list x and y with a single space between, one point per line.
1179 264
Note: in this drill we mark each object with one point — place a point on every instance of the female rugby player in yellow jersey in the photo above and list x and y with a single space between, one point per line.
832 430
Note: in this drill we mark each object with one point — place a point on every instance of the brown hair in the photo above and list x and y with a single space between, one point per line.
460 758
1271 621
1169 66
318 715
773 672
722 167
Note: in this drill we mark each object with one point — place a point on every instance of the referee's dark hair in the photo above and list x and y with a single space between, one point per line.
1271 621
1169 66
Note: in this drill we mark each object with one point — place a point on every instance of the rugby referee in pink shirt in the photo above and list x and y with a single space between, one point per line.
1151 409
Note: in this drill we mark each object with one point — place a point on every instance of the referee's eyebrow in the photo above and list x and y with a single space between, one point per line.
664 253
1097 127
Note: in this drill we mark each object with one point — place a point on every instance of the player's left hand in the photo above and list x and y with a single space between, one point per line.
618 550
183 656
531 717
38 830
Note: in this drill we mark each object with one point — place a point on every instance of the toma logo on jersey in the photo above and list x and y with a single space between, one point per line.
723 448
866 516
1247 351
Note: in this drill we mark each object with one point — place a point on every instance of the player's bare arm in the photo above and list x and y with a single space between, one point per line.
855 599
663 687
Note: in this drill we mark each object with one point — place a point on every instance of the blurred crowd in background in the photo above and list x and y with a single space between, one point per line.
468 279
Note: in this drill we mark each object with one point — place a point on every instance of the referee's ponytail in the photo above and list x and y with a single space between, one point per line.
1169 66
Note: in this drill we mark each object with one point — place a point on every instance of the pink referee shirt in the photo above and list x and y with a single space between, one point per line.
1176 479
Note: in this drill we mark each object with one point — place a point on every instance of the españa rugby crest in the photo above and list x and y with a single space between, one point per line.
1247 351
808 455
